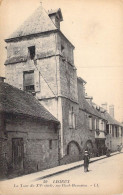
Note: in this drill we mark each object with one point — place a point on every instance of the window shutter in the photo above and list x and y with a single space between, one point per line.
37 80
29 78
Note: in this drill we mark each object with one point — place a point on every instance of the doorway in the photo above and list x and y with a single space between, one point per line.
17 153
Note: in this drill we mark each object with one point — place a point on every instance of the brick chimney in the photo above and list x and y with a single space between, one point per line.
88 98
111 110
104 105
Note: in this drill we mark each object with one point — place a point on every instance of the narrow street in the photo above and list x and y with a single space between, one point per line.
104 177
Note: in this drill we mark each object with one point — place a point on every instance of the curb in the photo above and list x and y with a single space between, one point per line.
74 167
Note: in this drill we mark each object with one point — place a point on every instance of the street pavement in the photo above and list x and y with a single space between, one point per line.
105 176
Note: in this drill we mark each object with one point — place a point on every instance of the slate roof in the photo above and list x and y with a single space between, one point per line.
15 101
38 22
111 120
84 105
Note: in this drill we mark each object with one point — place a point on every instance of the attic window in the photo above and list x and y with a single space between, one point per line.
31 52
28 81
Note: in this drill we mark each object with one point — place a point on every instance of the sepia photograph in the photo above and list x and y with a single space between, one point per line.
61 97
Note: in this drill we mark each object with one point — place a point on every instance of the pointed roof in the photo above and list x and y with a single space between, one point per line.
38 22
18 102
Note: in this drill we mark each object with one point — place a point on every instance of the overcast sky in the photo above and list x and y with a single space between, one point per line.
95 27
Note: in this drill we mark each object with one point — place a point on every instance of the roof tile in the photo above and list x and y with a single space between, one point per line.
16 101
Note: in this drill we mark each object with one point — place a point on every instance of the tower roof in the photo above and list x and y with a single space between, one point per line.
38 22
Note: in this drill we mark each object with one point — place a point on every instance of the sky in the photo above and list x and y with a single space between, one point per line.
95 28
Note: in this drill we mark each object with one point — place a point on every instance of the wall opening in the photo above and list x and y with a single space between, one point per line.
31 52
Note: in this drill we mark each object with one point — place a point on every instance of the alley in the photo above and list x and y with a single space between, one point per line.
104 177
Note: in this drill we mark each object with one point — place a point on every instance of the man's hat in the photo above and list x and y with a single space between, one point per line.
86 151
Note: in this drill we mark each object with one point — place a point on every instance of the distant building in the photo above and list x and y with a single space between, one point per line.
114 133
28 133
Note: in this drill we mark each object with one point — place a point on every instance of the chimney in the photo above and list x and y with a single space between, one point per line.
111 110
56 17
104 105
2 79
88 98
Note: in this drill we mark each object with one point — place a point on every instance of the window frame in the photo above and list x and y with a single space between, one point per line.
24 81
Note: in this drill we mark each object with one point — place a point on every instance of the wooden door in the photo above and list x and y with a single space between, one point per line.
17 153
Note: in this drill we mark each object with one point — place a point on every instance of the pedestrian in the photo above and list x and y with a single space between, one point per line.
86 161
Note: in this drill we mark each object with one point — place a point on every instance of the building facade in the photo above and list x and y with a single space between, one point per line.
28 134
114 137
40 60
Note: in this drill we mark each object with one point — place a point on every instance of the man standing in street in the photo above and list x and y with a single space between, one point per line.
86 161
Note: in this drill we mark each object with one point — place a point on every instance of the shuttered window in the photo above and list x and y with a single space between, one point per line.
29 81
72 119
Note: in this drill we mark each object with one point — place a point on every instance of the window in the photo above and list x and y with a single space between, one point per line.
93 123
117 131
107 128
50 144
62 48
31 52
97 124
122 132
112 131
90 122
28 81
72 119
100 124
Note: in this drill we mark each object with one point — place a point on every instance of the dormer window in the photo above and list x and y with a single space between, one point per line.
31 52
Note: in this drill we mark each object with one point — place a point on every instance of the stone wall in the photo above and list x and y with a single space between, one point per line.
113 142
55 85
36 137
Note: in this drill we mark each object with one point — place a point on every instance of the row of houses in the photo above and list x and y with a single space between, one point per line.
46 119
